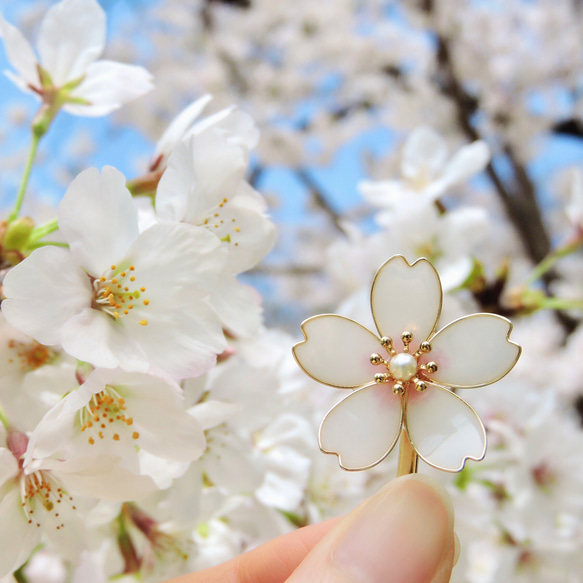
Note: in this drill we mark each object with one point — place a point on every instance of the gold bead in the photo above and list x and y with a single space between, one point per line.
376 358
431 367
398 389
425 347
386 342
381 377
407 337
420 386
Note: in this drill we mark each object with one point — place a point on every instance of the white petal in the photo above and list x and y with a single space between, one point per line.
182 343
212 413
406 297
384 194
424 154
100 477
17 537
201 174
363 428
180 125
180 261
19 53
8 466
43 292
72 35
165 429
248 235
93 337
473 351
109 85
337 351
443 429
237 305
233 464
239 127
467 161
98 218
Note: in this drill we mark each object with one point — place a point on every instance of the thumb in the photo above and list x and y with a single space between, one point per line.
403 534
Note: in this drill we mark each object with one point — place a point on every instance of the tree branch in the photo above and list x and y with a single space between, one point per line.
304 176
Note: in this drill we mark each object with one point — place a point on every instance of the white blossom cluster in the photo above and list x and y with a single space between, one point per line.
151 423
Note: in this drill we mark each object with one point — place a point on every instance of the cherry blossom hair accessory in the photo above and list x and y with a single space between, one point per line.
404 379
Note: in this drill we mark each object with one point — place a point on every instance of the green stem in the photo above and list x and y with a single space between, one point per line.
43 230
562 304
24 182
4 419
19 575
33 246
547 263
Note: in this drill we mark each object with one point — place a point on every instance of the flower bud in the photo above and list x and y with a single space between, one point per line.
17 234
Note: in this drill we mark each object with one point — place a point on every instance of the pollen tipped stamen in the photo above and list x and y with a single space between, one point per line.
113 291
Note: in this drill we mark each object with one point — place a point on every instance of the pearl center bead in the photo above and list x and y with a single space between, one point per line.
403 366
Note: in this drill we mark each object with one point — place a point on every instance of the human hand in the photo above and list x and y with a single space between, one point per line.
403 534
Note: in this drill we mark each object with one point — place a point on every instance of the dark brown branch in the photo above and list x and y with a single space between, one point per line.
519 200
318 196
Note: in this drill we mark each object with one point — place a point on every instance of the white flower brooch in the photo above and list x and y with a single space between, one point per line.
403 380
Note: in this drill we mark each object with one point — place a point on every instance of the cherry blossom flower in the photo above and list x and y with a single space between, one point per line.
418 365
71 39
118 413
238 126
41 498
426 170
204 185
117 297
33 376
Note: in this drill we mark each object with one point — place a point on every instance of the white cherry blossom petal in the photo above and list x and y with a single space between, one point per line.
232 463
473 351
17 537
363 428
19 54
43 292
466 162
249 236
201 173
91 336
337 351
443 429
107 86
182 344
101 477
72 35
406 297
237 305
98 218
424 154
180 125
179 261
8 466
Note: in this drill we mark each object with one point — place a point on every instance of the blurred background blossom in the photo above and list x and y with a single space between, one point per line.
450 129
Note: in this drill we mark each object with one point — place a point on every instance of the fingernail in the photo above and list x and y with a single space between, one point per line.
457 550
403 532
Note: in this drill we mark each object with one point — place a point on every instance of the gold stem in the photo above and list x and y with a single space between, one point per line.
408 459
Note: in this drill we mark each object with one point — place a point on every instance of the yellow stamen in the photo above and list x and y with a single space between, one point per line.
144 322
